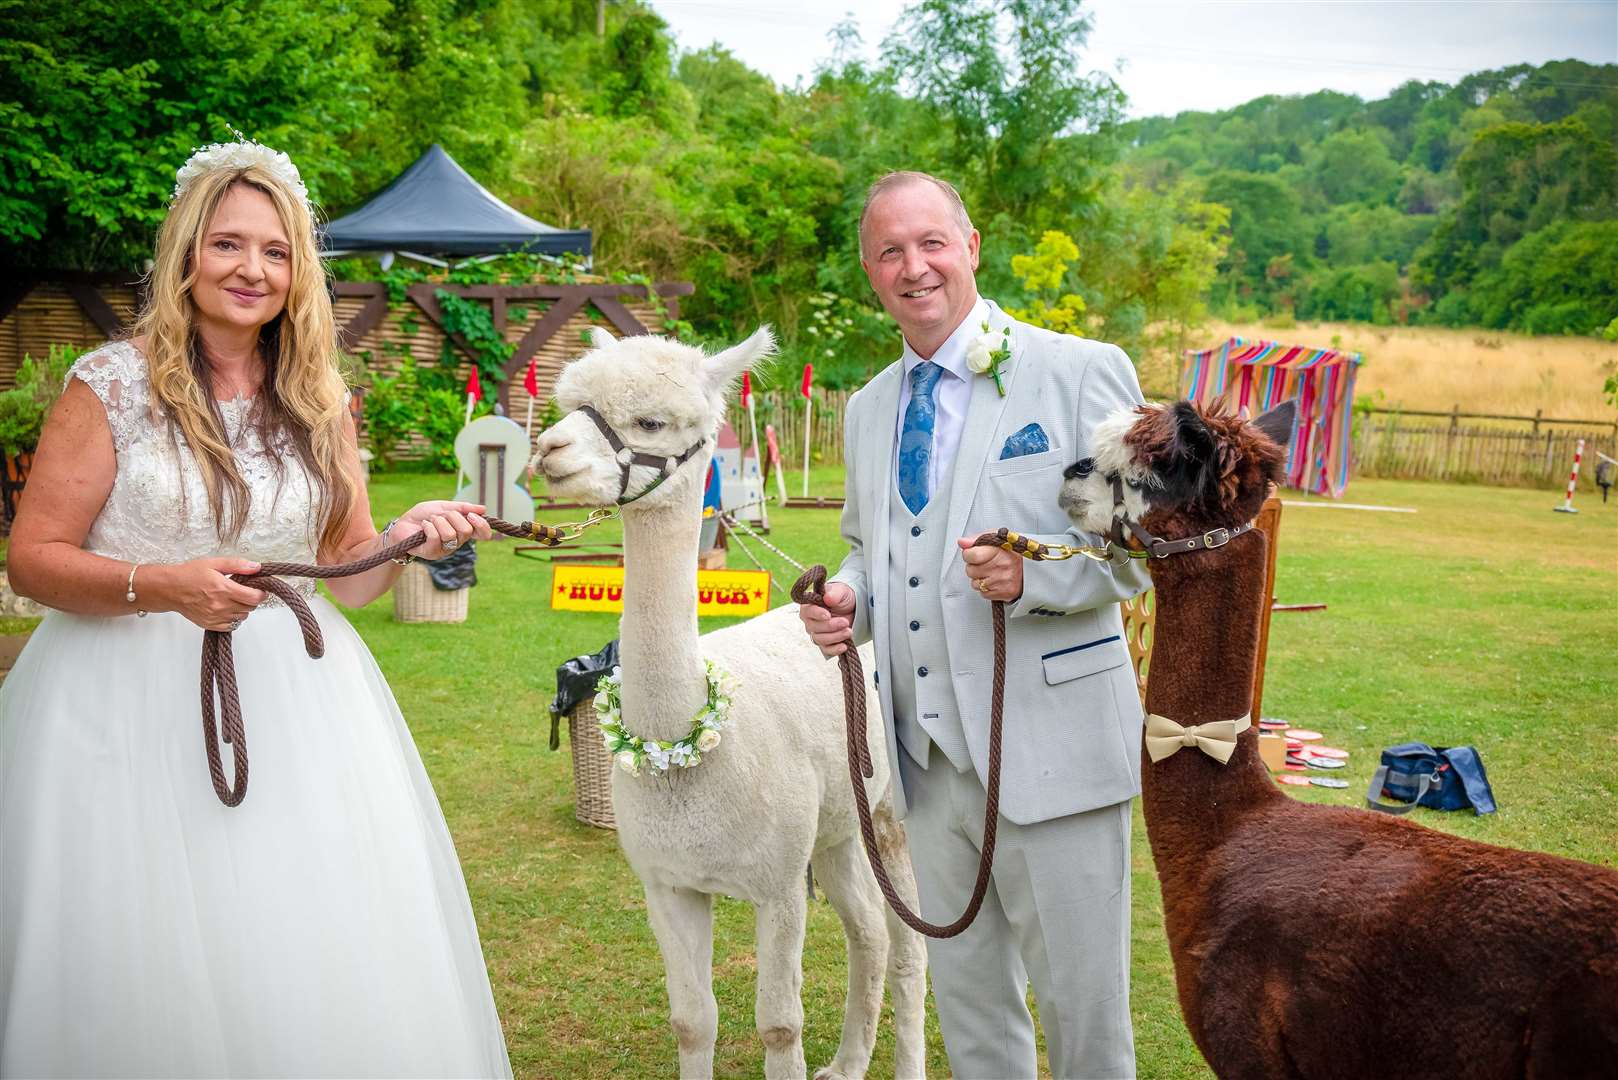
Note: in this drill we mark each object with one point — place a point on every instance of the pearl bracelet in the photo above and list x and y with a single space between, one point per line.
129 589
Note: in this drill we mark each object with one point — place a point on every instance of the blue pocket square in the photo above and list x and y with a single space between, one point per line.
1030 440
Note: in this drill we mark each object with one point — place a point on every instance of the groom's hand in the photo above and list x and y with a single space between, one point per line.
831 627
995 573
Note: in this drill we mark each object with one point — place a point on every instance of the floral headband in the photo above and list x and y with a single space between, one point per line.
240 154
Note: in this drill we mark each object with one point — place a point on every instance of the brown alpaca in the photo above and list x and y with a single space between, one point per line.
1313 941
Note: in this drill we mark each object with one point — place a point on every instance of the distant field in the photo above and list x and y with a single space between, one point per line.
1482 371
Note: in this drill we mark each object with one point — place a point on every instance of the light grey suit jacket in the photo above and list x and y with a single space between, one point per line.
1072 728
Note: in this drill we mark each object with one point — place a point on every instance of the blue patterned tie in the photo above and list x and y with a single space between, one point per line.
916 438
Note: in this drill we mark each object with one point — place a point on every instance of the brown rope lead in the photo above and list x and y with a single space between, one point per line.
218 663
811 589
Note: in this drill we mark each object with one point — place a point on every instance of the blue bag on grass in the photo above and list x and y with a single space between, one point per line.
1437 777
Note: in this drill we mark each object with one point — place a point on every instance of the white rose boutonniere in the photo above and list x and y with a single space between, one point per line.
986 352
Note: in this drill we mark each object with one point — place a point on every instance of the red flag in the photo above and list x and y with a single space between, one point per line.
747 388
474 389
808 379
530 381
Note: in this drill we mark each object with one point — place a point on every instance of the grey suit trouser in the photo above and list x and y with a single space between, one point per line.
1056 915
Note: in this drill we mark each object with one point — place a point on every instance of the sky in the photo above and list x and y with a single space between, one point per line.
1174 56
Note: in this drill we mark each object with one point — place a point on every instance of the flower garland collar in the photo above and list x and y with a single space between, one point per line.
634 754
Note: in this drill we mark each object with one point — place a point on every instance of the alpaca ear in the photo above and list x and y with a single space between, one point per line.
1278 423
600 337
1192 436
724 368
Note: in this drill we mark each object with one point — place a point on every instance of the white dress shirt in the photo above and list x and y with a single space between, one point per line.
951 397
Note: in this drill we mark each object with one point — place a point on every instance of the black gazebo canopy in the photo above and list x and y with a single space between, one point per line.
435 207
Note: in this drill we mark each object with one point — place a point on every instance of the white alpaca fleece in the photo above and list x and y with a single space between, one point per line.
773 796
1088 499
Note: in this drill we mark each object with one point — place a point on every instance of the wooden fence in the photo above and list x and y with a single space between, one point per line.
1514 451
783 409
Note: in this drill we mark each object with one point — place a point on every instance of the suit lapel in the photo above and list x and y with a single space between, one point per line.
982 421
878 483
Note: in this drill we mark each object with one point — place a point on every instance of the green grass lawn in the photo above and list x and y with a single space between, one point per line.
1484 618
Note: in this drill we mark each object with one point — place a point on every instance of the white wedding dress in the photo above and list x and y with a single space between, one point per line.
322 927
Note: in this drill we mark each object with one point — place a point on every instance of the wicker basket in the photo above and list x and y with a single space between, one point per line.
417 599
592 768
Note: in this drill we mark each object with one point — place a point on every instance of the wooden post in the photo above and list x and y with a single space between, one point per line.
1269 523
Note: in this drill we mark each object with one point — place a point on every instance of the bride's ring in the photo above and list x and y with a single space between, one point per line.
235 624
451 544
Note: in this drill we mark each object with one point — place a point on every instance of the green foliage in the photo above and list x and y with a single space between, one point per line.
1266 224
845 340
473 322
1003 81
1142 284
693 166
1042 274
1562 279
417 401
21 419
1439 182
104 99
1516 179
24 407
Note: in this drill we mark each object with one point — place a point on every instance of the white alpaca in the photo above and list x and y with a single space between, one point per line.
774 796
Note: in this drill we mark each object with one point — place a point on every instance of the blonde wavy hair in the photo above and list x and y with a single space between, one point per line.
303 394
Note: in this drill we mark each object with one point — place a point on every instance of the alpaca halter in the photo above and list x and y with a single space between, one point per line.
628 457
1155 546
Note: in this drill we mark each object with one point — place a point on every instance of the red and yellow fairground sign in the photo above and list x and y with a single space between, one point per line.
601 588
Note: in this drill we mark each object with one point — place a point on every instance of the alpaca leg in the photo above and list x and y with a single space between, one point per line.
849 886
682 920
778 1010
907 952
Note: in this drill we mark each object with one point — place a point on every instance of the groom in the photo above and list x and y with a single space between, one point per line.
937 454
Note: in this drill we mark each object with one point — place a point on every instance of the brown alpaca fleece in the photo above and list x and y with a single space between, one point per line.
1322 942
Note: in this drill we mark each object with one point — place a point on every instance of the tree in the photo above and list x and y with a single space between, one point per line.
1005 80
1354 166
1517 178
104 100
1266 222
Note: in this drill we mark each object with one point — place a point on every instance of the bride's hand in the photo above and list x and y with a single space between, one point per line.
202 592
447 524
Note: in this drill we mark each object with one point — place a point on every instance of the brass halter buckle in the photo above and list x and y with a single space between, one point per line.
1036 551
557 535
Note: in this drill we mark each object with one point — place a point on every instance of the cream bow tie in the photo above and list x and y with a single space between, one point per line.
1217 740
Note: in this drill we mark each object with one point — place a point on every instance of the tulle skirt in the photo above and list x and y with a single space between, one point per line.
321 928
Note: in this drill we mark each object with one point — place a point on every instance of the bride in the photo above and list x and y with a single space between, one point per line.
322 926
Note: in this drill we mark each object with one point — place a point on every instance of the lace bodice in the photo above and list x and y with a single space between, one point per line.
158 511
